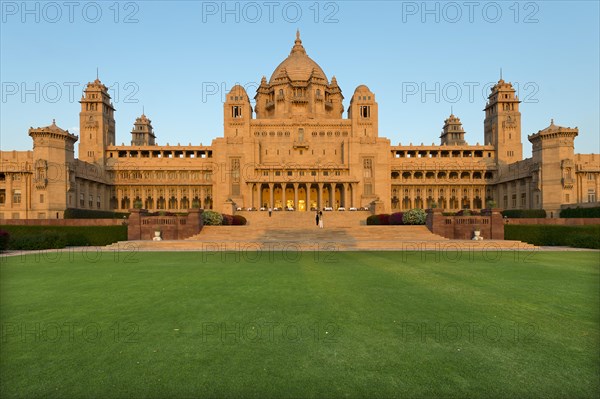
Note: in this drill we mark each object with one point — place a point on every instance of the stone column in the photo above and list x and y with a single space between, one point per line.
320 196
119 197
271 194
296 196
471 194
307 195
343 203
283 196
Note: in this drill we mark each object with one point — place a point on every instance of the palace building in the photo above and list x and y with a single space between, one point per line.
296 148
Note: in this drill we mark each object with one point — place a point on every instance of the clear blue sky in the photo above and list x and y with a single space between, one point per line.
176 59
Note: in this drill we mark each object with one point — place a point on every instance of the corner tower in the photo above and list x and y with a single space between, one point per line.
54 174
453 132
96 123
553 153
142 133
502 124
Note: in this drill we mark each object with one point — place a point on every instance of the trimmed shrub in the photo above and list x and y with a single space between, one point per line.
227 220
524 213
51 237
372 220
384 219
4 238
212 218
239 220
580 213
72 213
378 220
551 235
467 212
396 218
414 216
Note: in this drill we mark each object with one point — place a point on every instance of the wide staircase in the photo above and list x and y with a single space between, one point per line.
342 231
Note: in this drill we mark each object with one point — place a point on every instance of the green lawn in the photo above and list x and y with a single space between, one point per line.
349 324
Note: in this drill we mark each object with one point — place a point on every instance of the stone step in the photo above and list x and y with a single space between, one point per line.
252 238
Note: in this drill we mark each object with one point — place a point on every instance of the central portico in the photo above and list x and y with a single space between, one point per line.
295 149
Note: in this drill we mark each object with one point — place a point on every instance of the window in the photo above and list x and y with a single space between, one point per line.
98 202
2 196
590 177
523 200
91 201
81 200
591 195
365 111
368 167
567 199
514 200
368 189
236 111
41 198
16 196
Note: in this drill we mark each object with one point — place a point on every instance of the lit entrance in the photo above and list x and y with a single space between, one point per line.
301 205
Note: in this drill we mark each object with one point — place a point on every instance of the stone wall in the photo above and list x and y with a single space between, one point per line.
142 227
490 224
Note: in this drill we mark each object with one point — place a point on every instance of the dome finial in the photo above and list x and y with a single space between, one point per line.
298 44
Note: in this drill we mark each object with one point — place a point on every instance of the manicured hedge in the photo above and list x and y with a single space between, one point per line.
239 220
552 235
414 216
580 213
378 220
396 218
50 237
72 213
524 213
212 218
4 237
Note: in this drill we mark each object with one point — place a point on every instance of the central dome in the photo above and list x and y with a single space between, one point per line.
297 66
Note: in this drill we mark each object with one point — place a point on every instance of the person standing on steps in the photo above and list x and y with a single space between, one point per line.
320 219
317 218
270 211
